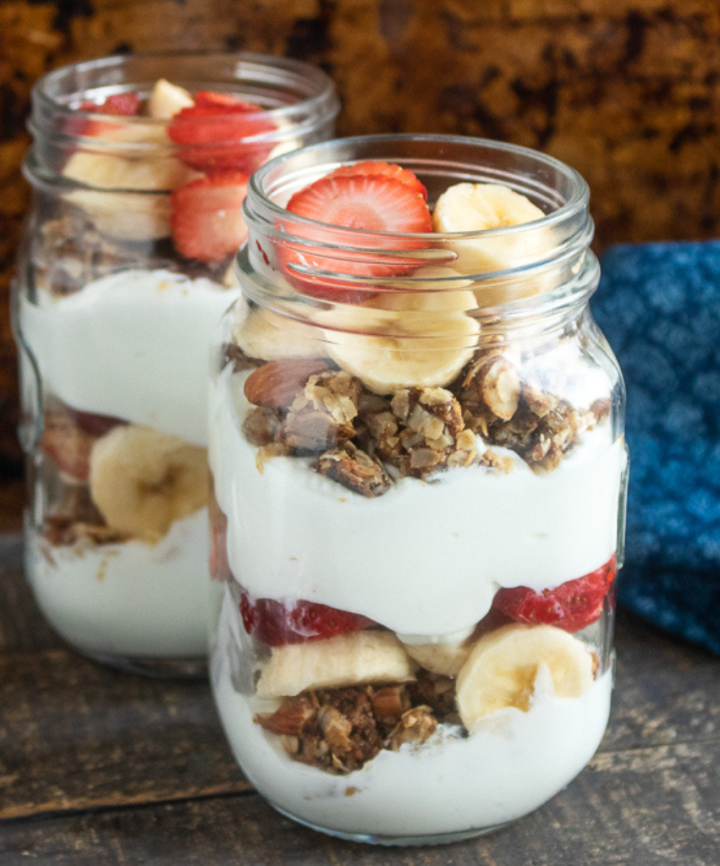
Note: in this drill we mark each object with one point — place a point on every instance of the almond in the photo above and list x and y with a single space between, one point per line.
290 719
277 383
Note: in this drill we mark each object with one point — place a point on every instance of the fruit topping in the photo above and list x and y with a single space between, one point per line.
275 624
142 480
571 606
121 104
387 169
167 99
504 666
350 659
207 221
214 133
368 202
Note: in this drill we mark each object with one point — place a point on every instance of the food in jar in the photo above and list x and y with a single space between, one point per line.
417 524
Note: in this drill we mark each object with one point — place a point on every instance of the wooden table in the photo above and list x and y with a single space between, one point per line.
101 767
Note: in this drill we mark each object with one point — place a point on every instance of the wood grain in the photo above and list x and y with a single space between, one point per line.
101 767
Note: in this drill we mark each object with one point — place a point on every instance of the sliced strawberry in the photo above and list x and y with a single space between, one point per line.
571 606
387 169
273 623
206 216
213 132
371 202
119 104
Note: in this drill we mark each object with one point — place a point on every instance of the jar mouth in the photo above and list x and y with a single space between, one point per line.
538 268
290 93
275 182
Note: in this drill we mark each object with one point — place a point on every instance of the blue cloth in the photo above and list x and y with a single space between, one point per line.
659 306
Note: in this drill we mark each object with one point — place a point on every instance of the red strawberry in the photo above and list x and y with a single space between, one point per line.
571 606
206 217
387 169
213 132
272 623
122 104
119 104
372 202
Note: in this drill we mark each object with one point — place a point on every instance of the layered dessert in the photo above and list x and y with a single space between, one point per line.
128 272
415 514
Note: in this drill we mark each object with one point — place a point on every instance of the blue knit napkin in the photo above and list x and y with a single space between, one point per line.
659 306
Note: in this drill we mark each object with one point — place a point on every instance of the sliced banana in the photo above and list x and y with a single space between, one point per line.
440 658
348 659
504 665
143 480
167 99
129 198
264 334
470 207
421 338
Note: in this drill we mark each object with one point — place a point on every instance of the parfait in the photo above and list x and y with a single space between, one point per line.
418 471
139 169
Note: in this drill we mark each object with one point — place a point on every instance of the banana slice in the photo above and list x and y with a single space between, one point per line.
143 480
503 667
130 196
440 658
167 99
263 334
421 338
346 660
469 207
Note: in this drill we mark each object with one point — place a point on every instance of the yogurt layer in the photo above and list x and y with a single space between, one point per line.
426 558
511 765
134 345
130 599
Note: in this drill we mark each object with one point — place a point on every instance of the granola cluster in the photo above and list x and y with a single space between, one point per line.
339 730
521 414
70 251
365 442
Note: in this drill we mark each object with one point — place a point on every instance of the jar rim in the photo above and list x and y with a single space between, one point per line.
56 92
260 203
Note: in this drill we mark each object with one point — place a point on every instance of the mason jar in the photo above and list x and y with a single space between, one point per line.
418 462
138 170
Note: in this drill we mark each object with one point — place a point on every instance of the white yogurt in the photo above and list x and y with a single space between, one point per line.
425 558
134 345
512 764
130 600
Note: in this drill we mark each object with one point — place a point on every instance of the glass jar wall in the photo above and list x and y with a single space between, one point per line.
139 167
417 448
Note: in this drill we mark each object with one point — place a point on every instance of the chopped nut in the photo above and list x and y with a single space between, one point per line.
276 384
354 469
494 382
290 719
415 726
391 701
262 425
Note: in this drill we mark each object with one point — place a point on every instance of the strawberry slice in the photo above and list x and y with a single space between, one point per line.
213 132
206 216
571 606
387 169
273 623
121 104
371 202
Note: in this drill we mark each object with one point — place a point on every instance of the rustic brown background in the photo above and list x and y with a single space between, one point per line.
627 91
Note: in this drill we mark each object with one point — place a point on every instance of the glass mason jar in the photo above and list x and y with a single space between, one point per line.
138 168
419 470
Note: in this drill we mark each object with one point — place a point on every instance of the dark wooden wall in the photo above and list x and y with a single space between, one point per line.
627 91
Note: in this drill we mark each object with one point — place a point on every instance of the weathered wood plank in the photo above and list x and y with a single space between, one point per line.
646 807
